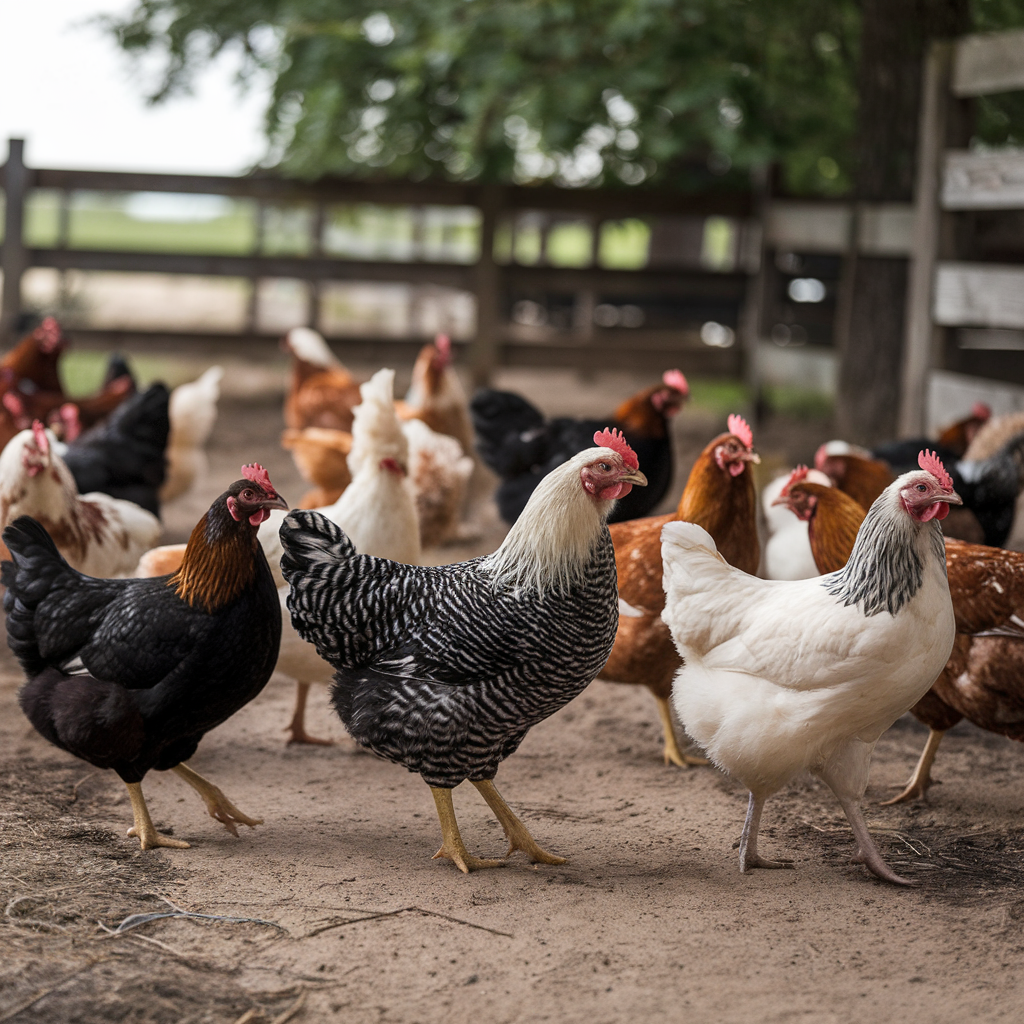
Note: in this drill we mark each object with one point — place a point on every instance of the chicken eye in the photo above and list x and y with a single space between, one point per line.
248 494
604 467
921 487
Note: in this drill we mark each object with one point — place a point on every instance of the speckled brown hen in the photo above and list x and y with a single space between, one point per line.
719 496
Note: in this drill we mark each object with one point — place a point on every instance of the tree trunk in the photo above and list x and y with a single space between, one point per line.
894 38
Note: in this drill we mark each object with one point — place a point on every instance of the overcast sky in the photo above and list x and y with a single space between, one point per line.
71 95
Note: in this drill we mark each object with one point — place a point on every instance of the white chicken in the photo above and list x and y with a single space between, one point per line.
377 511
98 535
779 677
193 412
787 550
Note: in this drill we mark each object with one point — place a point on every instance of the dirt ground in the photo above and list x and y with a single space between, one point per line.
334 910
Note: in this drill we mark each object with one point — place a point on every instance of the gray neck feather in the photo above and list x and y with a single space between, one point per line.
886 566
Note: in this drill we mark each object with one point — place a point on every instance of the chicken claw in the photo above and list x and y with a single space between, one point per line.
144 829
749 857
921 780
297 726
219 806
452 846
515 831
673 755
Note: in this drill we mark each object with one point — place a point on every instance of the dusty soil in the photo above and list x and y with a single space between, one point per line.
349 919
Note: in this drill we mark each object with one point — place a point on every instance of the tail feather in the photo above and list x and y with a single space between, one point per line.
310 540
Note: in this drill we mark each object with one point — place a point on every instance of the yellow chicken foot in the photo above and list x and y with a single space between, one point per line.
144 828
297 726
673 755
219 806
867 853
748 840
515 830
452 846
921 780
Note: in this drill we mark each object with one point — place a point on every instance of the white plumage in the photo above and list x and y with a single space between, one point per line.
787 549
779 677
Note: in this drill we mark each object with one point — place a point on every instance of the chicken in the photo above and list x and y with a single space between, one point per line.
321 457
981 680
518 444
854 471
193 412
436 396
439 473
97 534
719 495
124 455
118 386
994 434
130 674
787 551
322 392
377 512
782 677
34 360
445 669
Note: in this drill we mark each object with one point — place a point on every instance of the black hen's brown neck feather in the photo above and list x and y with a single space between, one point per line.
220 561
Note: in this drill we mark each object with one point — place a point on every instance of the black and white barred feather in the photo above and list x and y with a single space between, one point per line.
442 669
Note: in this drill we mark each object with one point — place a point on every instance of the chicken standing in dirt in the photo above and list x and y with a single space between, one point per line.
445 669
719 496
782 677
130 674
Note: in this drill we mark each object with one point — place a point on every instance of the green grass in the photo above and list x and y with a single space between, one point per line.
718 395
82 372
800 403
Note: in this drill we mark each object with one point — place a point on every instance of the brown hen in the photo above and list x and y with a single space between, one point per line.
322 392
719 496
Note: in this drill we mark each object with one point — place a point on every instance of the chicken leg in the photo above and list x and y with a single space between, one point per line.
922 777
673 755
749 857
868 853
144 828
515 831
452 846
219 806
297 726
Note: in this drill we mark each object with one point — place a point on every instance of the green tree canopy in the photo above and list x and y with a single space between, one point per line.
574 91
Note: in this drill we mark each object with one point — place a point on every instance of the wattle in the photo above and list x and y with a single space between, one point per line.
614 491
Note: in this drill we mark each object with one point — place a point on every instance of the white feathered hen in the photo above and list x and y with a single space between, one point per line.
787 549
780 677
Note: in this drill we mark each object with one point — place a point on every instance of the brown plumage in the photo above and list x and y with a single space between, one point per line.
322 392
321 456
958 436
723 504
35 359
436 396
863 479
983 681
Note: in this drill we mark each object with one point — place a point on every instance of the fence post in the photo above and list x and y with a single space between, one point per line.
484 351
13 256
919 332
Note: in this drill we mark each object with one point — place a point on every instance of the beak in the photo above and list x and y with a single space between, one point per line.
752 457
633 476
276 502
782 499
952 498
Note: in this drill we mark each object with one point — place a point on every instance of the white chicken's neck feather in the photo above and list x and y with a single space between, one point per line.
553 540
886 567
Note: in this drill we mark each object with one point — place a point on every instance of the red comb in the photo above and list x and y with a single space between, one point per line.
615 440
980 411
931 463
443 344
797 476
48 334
13 404
42 441
739 427
258 475
675 379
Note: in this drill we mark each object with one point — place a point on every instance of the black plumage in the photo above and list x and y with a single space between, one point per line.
123 456
437 668
129 674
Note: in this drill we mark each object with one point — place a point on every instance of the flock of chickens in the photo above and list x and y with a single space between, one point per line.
786 634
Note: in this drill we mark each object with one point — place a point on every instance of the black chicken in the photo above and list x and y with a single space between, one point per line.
123 456
515 441
130 674
445 669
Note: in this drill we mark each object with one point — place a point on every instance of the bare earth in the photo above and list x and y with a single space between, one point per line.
649 920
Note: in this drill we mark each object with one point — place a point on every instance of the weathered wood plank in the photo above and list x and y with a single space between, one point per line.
979 295
989 62
983 181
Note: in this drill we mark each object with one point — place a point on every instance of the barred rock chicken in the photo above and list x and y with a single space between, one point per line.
322 392
982 679
445 669
193 412
377 512
436 396
787 550
130 674
123 456
517 443
782 677
719 496
97 534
